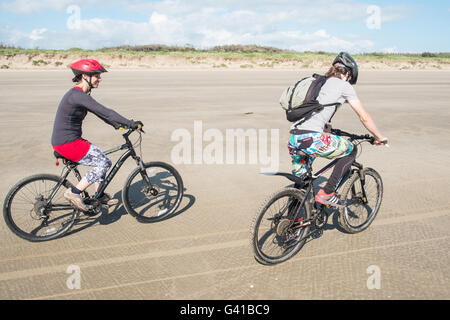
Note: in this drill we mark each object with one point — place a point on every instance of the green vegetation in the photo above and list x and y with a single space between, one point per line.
39 62
230 52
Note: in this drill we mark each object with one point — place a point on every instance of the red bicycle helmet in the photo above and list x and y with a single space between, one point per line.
87 66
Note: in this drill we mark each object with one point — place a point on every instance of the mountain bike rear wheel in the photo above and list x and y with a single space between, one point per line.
30 216
279 227
362 194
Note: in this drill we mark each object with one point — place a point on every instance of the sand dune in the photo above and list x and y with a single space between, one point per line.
44 61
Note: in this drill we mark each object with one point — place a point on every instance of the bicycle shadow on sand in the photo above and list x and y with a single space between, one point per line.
115 212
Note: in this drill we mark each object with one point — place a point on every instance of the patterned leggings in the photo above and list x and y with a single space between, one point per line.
100 163
315 144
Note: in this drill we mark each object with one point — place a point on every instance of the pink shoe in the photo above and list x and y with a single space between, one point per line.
329 199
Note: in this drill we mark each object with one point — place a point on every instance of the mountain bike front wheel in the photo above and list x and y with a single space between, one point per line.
279 227
362 194
31 214
157 200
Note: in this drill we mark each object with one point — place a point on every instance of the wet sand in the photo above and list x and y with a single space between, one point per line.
203 251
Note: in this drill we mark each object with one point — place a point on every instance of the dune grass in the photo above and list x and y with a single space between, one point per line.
230 51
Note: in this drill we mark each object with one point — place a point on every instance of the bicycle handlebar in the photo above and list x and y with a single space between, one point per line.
130 130
352 136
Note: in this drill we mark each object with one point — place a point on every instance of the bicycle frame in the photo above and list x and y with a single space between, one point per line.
308 182
129 153
344 178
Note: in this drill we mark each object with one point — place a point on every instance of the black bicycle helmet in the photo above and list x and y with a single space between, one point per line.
348 62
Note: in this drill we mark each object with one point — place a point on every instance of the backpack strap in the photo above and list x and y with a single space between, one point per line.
318 108
337 104
314 89
311 98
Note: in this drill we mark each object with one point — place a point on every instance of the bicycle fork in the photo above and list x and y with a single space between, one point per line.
143 172
148 187
362 181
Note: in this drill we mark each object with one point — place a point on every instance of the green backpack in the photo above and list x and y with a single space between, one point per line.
300 100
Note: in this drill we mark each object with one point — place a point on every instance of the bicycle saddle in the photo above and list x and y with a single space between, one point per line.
65 160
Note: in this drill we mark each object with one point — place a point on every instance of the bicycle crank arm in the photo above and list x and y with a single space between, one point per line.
308 235
295 241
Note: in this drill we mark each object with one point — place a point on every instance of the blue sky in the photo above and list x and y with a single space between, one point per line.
303 25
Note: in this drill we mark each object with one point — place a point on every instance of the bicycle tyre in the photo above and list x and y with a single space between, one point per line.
159 180
40 185
273 232
355 206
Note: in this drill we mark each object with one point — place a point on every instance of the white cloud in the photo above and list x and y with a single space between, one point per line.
157 18
36 34
97 33
390 50
32 6
298 25
12 36
394 13
322 41
321 34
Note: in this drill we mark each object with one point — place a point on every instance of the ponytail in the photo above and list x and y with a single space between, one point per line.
336 72
77 78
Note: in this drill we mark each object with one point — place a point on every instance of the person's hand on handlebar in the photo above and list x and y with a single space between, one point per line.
137 125
379 141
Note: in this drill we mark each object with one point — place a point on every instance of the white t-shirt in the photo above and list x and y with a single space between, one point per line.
334 90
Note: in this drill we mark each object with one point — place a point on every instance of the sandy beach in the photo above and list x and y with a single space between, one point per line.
203 251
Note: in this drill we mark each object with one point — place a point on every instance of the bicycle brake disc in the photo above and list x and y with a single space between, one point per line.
150 192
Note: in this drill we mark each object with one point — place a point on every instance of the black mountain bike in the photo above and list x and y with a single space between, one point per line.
291 215
36 210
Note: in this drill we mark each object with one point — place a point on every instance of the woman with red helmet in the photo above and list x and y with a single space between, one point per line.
89 67
66 136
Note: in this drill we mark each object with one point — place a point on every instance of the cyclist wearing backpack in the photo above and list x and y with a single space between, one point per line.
308 136
66 136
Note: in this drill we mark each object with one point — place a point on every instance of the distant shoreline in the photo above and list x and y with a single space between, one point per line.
34 59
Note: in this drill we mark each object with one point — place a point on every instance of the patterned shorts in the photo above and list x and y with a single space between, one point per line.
100 163
320 145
